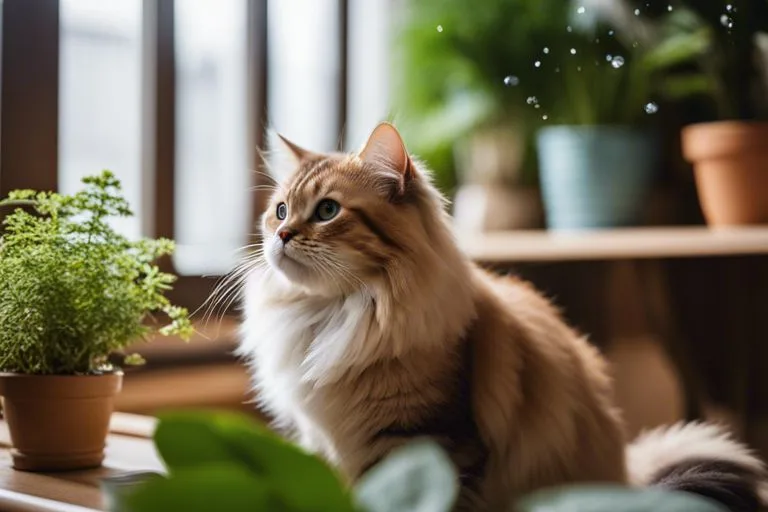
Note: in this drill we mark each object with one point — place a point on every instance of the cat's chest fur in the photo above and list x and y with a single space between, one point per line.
330 367
299 346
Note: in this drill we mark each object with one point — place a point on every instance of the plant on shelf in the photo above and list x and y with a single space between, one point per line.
462 77
225 461
73 292
714 56
597 155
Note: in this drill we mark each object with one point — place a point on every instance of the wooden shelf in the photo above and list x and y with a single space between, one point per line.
612 244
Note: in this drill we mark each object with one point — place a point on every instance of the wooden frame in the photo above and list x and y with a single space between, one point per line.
29 123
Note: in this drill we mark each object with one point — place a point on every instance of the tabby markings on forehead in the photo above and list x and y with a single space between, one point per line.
311 172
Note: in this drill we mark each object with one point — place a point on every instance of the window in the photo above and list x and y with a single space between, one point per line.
173 96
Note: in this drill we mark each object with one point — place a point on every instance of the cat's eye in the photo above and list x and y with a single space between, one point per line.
327 209
282 211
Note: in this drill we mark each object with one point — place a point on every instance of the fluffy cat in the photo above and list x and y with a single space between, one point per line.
366 327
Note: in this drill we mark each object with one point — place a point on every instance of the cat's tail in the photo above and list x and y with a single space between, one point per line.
699 458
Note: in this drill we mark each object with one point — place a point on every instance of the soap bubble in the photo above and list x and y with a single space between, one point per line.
546 50
511 81
651 108
573 51
532 100
726 21
617 61
537 64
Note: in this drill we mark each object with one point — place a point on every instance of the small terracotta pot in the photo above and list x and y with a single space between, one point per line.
58 422
730 160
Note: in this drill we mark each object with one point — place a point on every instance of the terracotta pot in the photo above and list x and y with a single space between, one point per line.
58 422
730 160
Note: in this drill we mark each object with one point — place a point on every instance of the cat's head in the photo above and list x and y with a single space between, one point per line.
339 222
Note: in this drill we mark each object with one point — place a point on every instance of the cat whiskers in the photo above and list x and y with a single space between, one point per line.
227 289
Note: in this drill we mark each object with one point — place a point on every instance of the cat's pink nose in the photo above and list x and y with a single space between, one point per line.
285 235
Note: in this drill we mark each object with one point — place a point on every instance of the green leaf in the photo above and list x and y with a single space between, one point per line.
683 86
678 49
614 499
418 478
216 487
302 481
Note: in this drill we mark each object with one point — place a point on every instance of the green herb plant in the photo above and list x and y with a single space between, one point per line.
73 290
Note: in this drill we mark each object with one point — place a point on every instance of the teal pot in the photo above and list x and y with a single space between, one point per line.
595 176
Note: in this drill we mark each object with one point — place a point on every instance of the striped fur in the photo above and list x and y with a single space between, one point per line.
372 329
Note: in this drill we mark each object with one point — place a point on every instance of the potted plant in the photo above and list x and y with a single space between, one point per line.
714 56
73 292
463 76
597 157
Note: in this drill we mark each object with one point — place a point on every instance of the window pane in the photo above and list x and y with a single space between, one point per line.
100 97
370 26
304 71
213 175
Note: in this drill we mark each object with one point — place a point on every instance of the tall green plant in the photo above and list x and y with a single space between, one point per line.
73 289
459 66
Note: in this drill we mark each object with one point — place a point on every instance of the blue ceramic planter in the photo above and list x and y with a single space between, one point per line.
594 176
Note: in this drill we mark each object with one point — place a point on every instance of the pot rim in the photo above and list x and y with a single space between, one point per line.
723 139
22 386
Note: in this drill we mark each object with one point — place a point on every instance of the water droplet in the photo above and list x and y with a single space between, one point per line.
439 28
537 64
569 28
578 68
670 8
546 50
573 51
726 21
730 8
617 61
611 32
637 12
651 108
545 117
597 40
581 10
557 70
537 106
532 100
608 58
511 81
635 44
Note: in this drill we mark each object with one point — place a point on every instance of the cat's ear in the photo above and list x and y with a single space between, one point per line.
385 148
298 153
283 157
